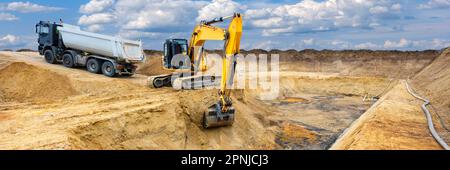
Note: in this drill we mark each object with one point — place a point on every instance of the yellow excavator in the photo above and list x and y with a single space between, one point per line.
182 58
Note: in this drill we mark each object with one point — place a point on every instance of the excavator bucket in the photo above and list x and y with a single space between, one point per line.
214 117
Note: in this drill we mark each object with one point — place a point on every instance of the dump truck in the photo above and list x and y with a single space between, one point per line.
73 47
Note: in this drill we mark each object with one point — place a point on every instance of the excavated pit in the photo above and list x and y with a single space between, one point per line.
311 111
313 108
302 117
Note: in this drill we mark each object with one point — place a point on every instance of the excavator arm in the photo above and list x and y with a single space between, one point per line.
222 112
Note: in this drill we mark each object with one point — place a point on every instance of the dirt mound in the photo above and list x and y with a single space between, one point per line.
152 66
24 82
172 122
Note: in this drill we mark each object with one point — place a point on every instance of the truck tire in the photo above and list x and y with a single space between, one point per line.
93 65
68 60
108 69
49 57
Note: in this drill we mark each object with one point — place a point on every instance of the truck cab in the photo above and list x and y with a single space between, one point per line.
173 47
48 35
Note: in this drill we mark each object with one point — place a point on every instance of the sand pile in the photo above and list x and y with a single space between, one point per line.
170 122
24 82
152 66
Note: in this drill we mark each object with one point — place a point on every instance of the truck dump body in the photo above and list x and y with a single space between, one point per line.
98 44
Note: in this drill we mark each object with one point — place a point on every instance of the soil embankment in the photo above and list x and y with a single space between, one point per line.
397 121
91 111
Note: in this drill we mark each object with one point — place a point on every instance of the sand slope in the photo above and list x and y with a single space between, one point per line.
433 83
396 121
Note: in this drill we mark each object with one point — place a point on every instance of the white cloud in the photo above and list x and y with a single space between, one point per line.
378 10
131 34
149 14
367 45
141 14
336 44
417 44
9 38
219 8
95 19
435 4
402 43
27 7
438 43
13 42
339 44
7 17
309 41
431 44
265 45
315 16
94 6
9 41
396 7
95 28
158 20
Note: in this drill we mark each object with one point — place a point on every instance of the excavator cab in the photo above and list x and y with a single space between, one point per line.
173 47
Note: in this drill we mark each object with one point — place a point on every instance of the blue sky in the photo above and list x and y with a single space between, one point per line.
286 24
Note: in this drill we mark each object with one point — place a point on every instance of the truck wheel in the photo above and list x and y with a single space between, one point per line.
68 60
108 69
49 57
93 65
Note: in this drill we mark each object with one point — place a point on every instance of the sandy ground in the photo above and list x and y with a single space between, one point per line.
433 84
46 106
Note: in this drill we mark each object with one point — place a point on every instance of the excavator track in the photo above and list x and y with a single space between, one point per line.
159 81
190 82
196 82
